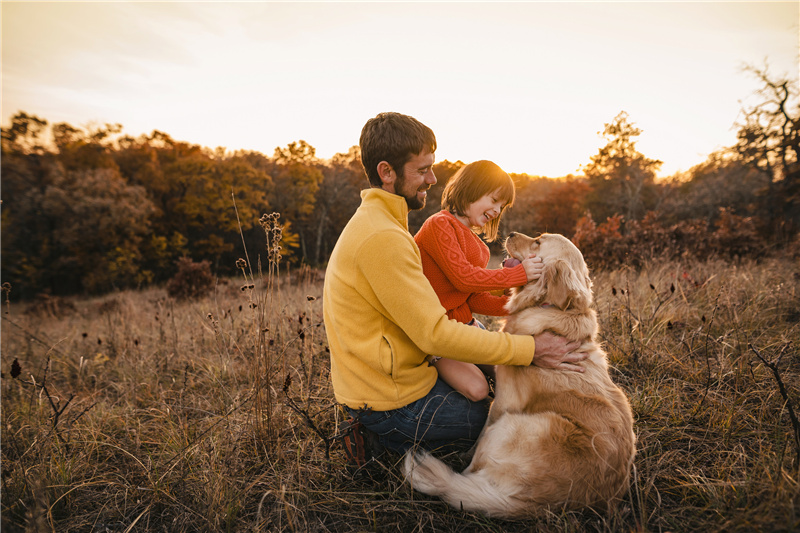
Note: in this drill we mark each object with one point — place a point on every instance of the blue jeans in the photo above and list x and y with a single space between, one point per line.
444 420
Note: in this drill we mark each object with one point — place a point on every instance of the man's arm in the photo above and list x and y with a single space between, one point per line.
390 262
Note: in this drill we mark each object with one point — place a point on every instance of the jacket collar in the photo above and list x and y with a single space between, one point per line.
396 205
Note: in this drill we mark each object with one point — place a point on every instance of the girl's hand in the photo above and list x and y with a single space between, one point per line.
534 267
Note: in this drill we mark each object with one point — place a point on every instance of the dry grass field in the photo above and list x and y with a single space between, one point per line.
136 412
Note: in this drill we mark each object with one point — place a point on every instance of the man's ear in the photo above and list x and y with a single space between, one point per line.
387 175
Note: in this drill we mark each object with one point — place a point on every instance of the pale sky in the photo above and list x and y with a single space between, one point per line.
526 84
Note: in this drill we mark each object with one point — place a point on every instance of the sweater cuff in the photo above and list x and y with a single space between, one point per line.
519 276
525 347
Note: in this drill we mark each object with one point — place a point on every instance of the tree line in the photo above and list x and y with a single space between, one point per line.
88 209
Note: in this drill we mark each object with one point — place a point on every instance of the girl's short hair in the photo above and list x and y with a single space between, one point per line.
471 183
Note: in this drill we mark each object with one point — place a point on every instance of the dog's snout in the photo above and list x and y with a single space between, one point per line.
512 234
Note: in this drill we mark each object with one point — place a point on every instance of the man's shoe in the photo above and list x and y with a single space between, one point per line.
354 442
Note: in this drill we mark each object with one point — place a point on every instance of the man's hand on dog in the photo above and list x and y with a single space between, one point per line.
553 351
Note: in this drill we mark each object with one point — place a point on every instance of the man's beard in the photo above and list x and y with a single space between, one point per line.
412 201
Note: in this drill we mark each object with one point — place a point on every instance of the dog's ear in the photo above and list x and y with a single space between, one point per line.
566 287
526 296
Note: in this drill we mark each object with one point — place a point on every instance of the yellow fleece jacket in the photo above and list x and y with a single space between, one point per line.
382 317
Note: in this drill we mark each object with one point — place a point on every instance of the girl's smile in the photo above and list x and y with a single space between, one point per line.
483 210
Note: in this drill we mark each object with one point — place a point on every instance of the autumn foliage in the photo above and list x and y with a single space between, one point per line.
88 210
617 242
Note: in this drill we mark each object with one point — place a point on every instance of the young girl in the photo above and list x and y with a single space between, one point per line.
454 259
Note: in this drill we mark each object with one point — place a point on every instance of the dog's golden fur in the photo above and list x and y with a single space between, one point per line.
554 439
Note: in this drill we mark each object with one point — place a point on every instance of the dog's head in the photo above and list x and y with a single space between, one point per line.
565 282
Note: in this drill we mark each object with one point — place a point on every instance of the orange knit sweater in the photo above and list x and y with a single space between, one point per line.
454 260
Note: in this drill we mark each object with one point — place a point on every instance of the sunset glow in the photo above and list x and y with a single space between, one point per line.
527 85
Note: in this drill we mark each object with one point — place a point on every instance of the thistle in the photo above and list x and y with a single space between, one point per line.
274 232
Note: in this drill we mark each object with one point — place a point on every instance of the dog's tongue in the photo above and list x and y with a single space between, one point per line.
510 262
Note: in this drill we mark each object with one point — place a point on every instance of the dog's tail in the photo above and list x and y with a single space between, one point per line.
468 492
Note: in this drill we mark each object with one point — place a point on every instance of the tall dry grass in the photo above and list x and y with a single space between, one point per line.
134 412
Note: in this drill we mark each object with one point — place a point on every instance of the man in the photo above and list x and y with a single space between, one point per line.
383 319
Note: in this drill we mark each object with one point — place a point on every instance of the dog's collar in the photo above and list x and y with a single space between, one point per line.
546 305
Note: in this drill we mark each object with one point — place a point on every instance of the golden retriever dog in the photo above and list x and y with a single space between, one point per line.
554 439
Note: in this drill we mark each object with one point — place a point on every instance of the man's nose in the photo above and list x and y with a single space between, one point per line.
432 178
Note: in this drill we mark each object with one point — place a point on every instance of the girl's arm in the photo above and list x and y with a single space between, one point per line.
484 303
442 244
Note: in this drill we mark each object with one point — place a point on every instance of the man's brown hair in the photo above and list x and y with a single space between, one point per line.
394 138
